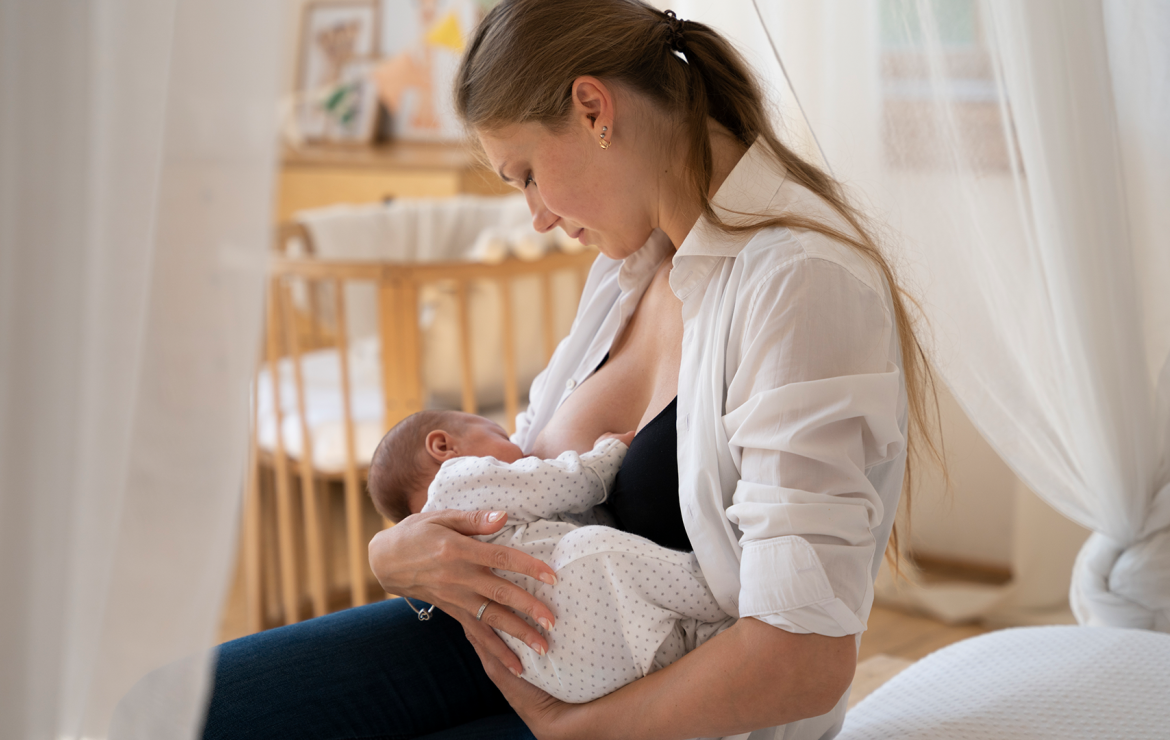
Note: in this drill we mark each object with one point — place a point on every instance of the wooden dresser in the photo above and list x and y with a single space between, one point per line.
319 176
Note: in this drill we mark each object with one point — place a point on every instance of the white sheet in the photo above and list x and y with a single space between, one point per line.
1030 683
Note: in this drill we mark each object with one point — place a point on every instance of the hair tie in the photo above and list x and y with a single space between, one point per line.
675 25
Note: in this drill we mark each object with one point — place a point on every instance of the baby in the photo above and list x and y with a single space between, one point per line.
624 605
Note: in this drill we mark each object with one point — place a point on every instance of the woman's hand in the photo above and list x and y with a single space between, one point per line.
548 718
432 557
750 676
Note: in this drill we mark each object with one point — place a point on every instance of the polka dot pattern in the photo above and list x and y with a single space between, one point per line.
624 606
1030 683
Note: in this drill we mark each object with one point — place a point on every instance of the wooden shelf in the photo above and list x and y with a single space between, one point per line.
316 176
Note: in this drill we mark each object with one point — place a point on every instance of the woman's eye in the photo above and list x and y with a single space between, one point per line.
528 180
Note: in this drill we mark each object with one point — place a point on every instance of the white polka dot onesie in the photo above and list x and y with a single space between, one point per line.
624 605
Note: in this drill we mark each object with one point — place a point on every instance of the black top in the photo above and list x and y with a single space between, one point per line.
644 499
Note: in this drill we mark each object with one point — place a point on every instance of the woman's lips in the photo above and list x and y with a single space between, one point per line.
578 236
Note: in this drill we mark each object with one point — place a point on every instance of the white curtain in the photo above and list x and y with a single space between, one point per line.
1017 152
136 161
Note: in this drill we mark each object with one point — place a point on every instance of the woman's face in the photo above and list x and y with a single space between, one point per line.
603 197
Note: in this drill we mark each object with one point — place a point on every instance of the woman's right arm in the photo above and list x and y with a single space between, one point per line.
433 557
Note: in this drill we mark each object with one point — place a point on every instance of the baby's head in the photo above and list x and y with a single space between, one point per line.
411 453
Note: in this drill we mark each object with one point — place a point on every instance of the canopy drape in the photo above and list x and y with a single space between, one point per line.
1015 158
1018 151
137 144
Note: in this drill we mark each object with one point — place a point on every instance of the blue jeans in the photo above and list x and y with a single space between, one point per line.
369 672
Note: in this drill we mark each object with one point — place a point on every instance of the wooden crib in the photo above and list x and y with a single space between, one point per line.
287 543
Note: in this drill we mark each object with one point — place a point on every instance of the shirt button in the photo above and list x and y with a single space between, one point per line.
570 384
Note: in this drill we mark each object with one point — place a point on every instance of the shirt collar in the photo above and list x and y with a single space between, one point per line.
637 271
751 190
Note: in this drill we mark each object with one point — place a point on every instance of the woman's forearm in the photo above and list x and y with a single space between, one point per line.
751 676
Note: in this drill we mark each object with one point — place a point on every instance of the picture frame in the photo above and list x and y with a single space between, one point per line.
340 41
421 51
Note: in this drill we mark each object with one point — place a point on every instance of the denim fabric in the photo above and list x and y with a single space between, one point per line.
374 671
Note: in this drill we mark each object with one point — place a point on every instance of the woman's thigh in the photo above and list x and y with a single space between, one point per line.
370 672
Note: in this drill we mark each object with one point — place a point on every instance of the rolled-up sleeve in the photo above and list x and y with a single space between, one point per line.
813 403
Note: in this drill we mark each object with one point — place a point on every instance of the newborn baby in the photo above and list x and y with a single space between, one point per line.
624 605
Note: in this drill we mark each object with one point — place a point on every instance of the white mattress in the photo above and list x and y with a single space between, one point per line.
322 376
1028 683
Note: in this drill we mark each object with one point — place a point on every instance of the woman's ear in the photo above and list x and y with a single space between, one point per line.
593 104
440 446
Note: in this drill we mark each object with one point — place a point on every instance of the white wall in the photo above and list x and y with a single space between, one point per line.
974 520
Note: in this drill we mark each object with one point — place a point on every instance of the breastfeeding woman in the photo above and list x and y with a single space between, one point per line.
739 317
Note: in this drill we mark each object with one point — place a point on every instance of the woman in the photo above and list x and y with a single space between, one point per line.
740 318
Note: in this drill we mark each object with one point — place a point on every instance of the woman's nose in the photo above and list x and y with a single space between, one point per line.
543 219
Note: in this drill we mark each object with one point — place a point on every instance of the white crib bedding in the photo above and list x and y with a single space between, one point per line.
1031 683
321 373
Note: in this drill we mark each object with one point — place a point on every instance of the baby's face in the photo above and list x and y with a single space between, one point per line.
482 437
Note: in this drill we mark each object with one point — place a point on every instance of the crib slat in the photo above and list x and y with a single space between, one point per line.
354 547
289 584
463 311
253 594
511 382
270 552
310 512
401 368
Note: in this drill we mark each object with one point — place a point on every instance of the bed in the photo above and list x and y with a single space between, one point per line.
1027 683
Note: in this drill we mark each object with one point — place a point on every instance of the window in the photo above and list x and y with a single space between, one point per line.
938 77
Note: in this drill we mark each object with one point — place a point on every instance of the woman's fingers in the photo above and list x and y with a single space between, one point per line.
429 556
493 652
505 620
541 712
418 547
495 556
470 522
498 557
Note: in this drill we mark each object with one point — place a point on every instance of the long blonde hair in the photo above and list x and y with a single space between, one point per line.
520 67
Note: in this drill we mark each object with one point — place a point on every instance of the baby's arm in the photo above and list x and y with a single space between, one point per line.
529 489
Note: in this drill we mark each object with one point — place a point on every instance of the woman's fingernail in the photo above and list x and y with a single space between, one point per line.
516 672
549 578
536 646
495 516
545 623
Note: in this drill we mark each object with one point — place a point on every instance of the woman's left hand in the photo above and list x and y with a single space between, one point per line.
547 717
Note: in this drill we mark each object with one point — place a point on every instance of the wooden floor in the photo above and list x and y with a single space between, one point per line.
909 636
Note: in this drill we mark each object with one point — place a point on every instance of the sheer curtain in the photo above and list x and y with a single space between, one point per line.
136 159
1017 153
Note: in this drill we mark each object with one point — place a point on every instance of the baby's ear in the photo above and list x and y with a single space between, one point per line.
440 446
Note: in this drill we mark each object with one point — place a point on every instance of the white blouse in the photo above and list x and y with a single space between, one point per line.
791 406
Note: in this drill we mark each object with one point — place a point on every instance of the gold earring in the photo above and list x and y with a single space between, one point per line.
604 143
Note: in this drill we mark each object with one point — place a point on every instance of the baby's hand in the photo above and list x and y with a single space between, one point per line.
625 438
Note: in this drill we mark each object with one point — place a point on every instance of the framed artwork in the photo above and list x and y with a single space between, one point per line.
339 46
422 48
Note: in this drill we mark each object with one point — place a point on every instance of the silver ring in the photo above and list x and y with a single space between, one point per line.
479 614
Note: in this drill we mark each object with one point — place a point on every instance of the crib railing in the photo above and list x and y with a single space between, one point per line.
306 312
